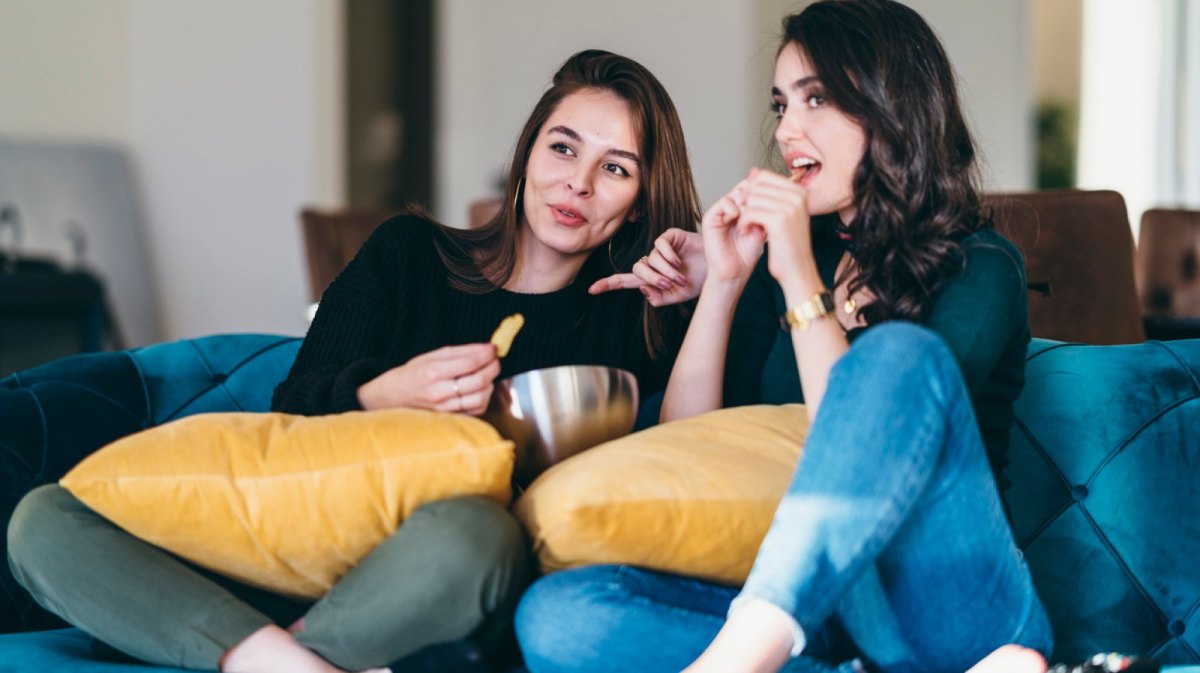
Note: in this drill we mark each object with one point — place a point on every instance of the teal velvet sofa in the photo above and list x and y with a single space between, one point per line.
1105 470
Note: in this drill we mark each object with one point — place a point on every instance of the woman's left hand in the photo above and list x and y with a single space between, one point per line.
672 273
779 207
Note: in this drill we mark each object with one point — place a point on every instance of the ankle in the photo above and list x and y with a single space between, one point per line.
270 650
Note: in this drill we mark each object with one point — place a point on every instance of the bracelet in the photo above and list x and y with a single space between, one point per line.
817 307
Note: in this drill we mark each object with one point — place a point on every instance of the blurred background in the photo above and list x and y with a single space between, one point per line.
162 150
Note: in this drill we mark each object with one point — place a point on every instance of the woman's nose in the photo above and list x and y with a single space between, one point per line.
789 129
580 182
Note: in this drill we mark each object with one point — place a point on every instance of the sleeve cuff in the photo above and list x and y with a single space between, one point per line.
344 396
798 638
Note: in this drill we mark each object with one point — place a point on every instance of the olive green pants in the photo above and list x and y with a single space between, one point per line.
454 569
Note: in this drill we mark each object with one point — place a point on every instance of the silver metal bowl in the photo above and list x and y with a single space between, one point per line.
552 414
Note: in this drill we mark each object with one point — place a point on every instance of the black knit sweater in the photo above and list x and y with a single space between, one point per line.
393 302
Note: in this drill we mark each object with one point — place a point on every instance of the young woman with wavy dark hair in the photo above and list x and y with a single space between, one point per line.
904 330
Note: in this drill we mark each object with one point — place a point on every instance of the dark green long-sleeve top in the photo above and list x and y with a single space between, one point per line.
982 314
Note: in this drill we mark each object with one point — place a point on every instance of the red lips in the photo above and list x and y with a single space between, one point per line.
566 215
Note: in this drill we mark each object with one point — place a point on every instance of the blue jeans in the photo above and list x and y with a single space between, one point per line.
891 539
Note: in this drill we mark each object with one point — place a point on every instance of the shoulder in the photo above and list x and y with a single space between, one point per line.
990 284
408 240
989 255
401 229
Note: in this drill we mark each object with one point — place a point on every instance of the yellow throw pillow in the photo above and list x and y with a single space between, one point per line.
288 503
694 496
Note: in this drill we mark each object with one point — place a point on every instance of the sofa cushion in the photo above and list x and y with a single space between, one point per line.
1105 453
68 650
694 496
289 503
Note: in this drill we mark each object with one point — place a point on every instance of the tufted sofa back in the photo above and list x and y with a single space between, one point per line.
1105 466
1106 495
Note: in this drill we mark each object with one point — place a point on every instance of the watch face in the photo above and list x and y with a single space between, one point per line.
826 303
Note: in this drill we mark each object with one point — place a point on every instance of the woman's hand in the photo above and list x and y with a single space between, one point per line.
730 247
672 273
778 207
452 378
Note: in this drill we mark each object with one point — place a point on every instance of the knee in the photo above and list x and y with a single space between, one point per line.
481 540
561 621
900 340
35 529
908 351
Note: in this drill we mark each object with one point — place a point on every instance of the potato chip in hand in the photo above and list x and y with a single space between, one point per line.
503 337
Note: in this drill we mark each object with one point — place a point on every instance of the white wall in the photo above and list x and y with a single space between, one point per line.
715 58
235 121
1119 113
231 112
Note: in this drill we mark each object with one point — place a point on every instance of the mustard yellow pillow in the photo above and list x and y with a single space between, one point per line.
288 503
694 496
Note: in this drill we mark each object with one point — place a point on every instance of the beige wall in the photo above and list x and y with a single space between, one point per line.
1057 31
231 113
64 69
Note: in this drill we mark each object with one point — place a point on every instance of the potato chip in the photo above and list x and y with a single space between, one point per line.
503 337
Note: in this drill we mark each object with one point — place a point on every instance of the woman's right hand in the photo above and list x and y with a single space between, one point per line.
452 378
731 247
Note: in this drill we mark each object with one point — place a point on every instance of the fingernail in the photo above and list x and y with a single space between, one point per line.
645 292
681 280
664 284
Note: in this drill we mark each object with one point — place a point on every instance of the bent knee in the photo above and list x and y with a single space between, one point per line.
37 521
473 526
906 350
903 341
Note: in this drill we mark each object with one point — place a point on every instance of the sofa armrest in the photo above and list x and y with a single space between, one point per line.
55 415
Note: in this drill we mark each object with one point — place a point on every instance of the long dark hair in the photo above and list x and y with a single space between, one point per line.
483 259
917 185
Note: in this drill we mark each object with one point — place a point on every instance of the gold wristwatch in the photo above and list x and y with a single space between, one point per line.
818 306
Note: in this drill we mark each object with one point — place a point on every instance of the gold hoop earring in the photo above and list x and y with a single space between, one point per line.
517 198
611 261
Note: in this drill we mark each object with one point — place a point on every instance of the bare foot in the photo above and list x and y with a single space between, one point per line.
274 650
1011 659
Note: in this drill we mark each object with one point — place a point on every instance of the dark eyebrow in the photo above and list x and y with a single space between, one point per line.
801 83
570 133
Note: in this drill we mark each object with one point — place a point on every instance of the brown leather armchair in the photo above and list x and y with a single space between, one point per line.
1079 256
331 239
1169 272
